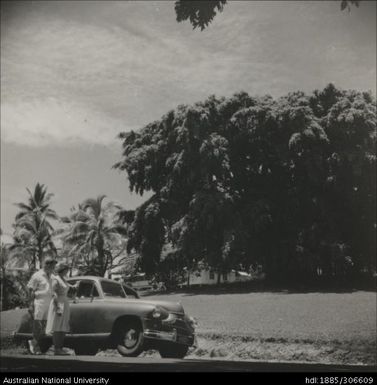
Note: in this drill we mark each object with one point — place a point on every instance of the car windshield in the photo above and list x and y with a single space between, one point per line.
112 289
129 292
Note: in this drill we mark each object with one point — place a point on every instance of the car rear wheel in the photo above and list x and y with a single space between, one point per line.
173 351
130 339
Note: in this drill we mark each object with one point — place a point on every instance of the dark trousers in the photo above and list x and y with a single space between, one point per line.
39 328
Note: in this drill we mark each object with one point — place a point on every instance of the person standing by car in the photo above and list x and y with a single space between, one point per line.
40 289
59 312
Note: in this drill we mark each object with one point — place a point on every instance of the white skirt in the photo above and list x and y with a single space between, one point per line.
58 322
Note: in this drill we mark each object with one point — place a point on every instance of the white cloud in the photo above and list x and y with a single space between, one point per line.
50 121
82 71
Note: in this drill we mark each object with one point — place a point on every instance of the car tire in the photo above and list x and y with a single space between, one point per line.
86 350
130 339
173 351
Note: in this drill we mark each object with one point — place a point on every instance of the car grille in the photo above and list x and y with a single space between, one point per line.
182 325
187 340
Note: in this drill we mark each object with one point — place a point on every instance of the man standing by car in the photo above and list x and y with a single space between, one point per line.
40 288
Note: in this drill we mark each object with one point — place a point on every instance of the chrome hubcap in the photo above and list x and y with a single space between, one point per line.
130 338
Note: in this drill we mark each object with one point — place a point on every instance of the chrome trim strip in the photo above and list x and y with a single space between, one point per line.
170 336
88 335
160 335
68 335
22 335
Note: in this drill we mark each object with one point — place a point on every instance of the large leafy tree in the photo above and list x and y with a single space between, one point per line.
95 236
32 227
245 180
201 13
349 199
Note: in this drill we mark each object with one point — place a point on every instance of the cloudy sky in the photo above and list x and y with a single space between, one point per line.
75 74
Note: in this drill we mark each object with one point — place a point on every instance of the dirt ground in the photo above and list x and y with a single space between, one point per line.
245 349
326 352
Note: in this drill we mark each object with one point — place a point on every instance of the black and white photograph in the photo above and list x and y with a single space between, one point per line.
188 186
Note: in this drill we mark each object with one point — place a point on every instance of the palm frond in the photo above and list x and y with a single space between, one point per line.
90 239
80 216
79 227
112 205
65 220
59 232
27 223
48 225
95 205
24 206
49 196
100 198
49 213
31 199
52 246
88 203
20 215
117 229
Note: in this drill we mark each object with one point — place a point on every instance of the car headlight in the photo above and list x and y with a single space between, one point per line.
157 312
171 319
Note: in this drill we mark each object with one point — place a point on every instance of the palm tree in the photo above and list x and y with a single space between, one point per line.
38 203
32 234
96 235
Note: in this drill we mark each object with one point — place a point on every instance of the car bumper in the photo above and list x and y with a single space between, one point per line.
160 335
170 336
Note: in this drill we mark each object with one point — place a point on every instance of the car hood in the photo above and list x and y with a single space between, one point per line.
174 307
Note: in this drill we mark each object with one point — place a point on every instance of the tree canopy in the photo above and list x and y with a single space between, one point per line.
287 183
200 13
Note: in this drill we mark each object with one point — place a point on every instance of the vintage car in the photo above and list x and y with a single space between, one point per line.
106 314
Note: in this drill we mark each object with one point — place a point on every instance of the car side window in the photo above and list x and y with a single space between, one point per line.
87 289
72 293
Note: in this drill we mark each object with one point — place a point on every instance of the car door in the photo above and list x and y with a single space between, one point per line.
84 306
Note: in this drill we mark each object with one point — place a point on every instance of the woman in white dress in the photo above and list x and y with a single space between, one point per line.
58 312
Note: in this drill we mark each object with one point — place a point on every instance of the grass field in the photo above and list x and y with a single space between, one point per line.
269 326
308 327
306 316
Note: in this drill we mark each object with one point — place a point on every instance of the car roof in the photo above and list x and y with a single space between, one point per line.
92 277
97 278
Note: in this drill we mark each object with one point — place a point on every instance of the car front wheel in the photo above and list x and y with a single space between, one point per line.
173 351
130 340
